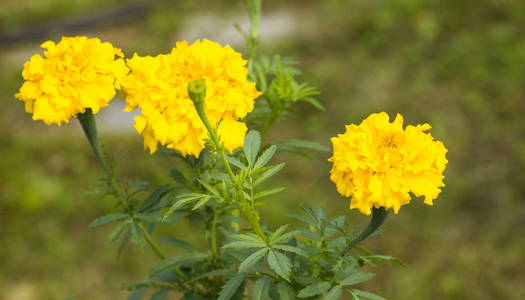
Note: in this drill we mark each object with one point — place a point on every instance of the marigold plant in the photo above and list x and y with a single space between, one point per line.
195 101
75 74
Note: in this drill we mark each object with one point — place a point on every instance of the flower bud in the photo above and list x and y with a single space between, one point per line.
197 91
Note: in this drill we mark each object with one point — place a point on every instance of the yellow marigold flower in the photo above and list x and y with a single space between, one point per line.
158 86
377 163
77 73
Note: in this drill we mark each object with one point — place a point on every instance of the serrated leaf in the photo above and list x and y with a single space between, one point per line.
314 102
285 237
178 243
200 203
117 232
220 272
357 278
178 176
159 295
279 232
247 237
232 160
252 142
231 286
267 174
314 289
288 248
280 264
176 260
181 201
265 157
334 293
303 144
137 295
154 219
252 259
245 244
367 295
136 234
303 219
208 187
285 291
261 289
269 192
154 197
107 218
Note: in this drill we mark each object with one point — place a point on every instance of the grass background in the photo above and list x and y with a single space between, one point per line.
458 65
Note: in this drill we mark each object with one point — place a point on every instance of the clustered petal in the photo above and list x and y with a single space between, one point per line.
378 163
158 87
75 74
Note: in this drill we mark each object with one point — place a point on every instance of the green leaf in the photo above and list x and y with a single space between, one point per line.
367 295
303 144
292 249
303 219
314 102
357 278
314 289
117 232
137 295
107 218
209 187
136 234
245 244
231 286
232 160
280 264
252 142
248 237
154 197
261 288
201 203
159 295
252 259
178 176
220 272
70 298
176 260
285 237
154 219
334 293
265 157
178 243
272 171
266 193
278 232
285 291
183 200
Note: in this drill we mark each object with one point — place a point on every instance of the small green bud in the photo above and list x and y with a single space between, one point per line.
197 91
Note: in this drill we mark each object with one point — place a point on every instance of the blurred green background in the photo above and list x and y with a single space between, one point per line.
458 65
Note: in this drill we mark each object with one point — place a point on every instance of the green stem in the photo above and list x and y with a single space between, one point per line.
197 93
89 125
87 120
254 11
266 127
152 243
378 218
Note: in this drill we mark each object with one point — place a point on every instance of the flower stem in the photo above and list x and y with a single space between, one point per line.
378 218
197 93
